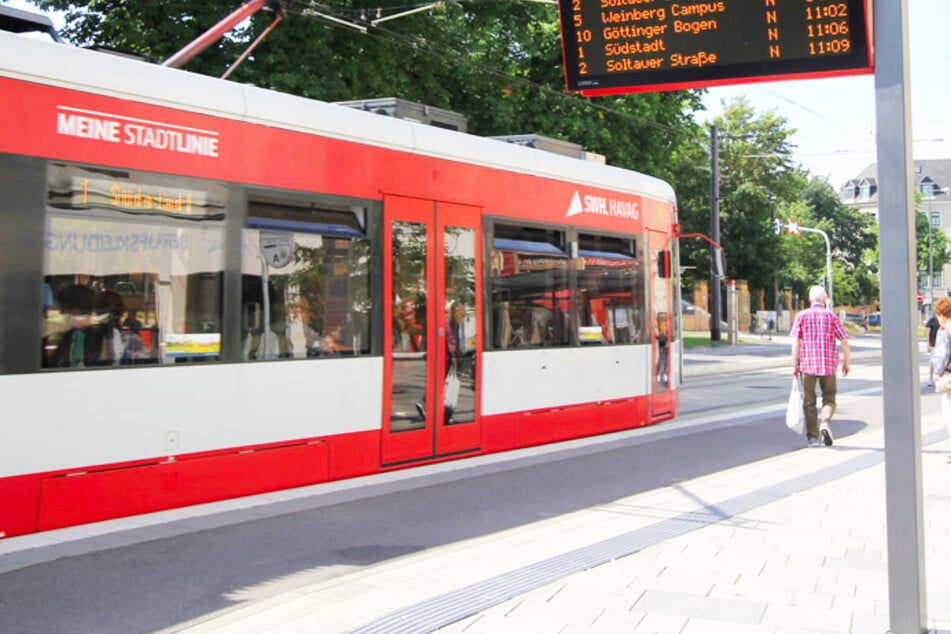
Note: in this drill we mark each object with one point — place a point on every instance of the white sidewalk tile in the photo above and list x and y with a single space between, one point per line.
693 606
660 624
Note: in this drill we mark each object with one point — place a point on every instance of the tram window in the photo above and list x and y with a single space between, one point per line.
610 290
531 300
132 269
305 282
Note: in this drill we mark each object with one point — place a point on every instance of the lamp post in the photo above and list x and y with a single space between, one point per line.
793 226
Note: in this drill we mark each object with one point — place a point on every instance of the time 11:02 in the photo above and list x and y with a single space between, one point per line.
836 10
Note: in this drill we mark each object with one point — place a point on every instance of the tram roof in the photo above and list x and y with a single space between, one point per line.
117 76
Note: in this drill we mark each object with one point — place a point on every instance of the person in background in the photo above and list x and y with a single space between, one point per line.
662 365
79 344
941 358
112 344
932 325
331 342
815 356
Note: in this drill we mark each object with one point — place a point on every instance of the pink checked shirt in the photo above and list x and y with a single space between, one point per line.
818 328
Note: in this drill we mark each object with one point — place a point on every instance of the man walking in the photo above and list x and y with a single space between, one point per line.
816 357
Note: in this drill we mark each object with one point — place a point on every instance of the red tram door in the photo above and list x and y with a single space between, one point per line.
433 309
662 294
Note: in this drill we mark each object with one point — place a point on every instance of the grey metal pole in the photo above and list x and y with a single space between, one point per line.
902 409
714 233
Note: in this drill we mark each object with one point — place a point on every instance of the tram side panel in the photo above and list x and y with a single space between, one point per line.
539 396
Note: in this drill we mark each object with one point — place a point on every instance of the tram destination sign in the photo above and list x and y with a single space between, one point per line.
620 46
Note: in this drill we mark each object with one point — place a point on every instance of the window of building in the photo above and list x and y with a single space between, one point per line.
132 268
305 281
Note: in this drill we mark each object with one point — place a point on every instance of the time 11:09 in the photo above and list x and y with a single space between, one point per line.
830 47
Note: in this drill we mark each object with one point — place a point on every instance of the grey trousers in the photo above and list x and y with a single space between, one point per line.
827 385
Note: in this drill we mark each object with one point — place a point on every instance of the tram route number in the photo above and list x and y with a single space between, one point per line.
614 46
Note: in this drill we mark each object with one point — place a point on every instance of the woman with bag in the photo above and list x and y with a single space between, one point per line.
941 359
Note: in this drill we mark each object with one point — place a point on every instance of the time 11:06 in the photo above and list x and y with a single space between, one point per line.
825 29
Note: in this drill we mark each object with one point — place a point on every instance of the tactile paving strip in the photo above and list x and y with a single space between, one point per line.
445 609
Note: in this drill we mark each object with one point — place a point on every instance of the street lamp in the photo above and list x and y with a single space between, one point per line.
793 226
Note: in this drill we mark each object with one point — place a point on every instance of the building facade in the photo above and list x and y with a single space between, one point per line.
932 182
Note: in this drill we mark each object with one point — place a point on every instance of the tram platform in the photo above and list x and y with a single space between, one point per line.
792 543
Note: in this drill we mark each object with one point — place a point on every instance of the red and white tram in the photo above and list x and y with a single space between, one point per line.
210 290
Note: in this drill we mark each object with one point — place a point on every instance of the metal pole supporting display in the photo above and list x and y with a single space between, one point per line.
901 401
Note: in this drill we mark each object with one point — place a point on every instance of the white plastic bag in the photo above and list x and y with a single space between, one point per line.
795 416
452 388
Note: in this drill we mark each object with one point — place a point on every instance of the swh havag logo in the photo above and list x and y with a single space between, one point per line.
602 206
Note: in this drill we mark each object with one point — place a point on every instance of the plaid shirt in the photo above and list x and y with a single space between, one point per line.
818 329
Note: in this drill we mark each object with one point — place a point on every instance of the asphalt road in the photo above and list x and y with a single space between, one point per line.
152 586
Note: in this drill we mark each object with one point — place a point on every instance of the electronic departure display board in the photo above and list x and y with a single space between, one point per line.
615 46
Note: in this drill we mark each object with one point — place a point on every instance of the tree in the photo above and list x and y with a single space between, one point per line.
690 177
759 184
853 236
756 178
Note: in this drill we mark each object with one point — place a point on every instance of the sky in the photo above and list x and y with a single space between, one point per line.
835 117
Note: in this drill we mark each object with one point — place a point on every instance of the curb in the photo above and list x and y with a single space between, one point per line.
703 365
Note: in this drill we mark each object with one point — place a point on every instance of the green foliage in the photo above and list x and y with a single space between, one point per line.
938 244
756 177
758 185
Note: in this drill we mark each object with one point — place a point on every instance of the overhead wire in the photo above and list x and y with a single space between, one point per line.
823 116
418 43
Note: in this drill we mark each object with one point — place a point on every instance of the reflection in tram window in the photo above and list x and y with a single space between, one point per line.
459 256
610 290
409 386
132 269
531 300
305 283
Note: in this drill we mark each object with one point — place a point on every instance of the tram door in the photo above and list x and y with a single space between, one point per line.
432 342
661 318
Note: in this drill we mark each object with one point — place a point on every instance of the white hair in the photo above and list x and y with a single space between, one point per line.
817 294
